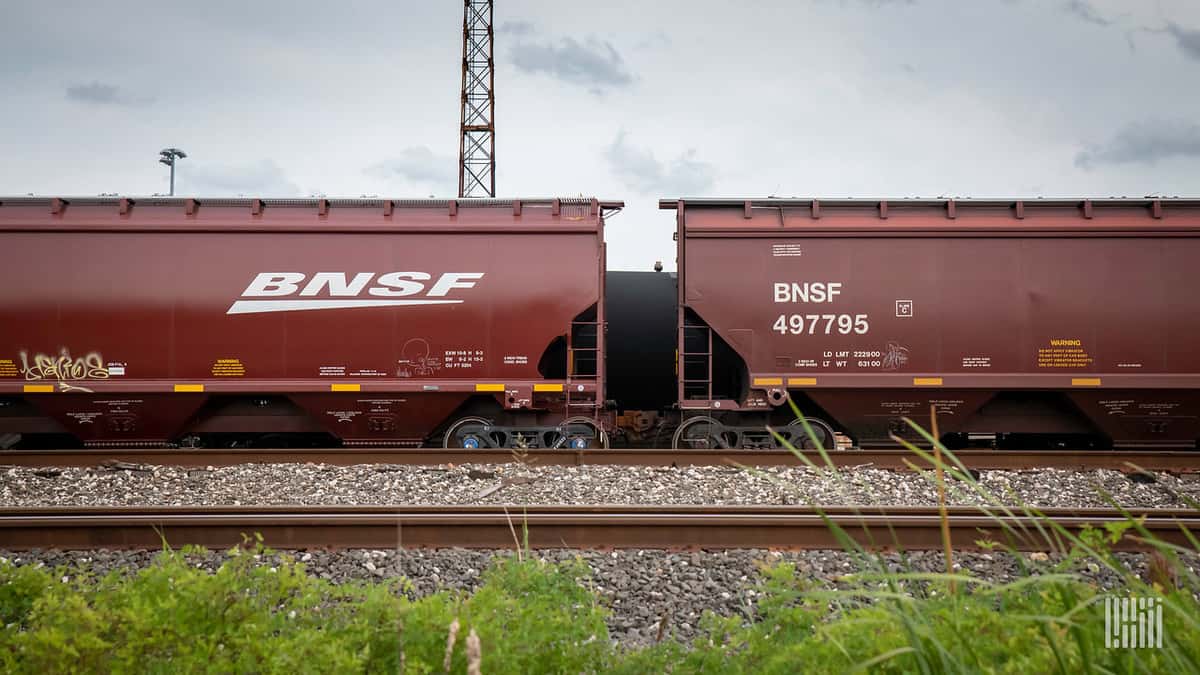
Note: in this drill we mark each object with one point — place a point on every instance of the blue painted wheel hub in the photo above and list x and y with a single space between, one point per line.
579 443
470 442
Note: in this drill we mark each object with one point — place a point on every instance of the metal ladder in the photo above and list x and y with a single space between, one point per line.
583 359
697 363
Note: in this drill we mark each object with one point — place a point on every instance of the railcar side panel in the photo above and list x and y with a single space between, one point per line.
371 320
873 314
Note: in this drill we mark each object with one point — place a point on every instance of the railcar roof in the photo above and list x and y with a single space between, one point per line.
365 202
665 203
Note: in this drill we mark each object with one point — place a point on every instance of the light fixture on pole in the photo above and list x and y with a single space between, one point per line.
168 157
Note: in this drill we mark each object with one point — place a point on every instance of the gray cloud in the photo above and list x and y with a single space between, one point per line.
1145 143
1084 11
517 28
99 93
1188 40
640 170
418 164
263 178
593 63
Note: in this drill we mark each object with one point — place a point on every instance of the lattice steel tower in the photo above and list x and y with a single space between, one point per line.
477 138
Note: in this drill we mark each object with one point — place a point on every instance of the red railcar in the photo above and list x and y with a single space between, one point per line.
235 321
1041 321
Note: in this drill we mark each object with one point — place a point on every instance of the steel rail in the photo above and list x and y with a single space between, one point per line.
1175 461
497 527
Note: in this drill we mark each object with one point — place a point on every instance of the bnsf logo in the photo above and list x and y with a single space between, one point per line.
393 289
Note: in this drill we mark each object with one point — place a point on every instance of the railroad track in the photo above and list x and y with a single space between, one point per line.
1177 461
495 527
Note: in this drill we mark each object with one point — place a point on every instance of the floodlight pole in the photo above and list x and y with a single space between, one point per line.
168 157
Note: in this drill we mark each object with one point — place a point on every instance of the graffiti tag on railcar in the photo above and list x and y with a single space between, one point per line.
895 356
64 366
417 360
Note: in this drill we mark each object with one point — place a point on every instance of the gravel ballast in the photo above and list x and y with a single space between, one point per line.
321 484
639 586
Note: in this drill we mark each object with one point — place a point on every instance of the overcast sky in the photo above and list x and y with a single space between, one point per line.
622 100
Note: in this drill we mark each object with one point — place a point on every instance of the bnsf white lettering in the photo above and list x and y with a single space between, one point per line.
342 292
451 280
336 281
390 285
273 284
816 291
398 284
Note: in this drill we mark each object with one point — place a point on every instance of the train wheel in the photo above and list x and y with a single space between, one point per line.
466 433
822 431
597 437
699 433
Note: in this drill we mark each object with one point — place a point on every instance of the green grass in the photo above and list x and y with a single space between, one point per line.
268 615
252 616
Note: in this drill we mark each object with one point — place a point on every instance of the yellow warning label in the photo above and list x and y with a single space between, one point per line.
228 368
1064 353
8 368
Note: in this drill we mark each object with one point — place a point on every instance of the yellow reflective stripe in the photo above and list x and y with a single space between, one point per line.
1085 382
189 387
927 381
345 387
39 389
768 381
547 387
802 381
489 387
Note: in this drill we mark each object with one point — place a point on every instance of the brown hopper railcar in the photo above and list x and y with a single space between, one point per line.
230 322
1036 322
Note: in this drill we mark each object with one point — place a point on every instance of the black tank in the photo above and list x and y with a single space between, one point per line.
641 315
